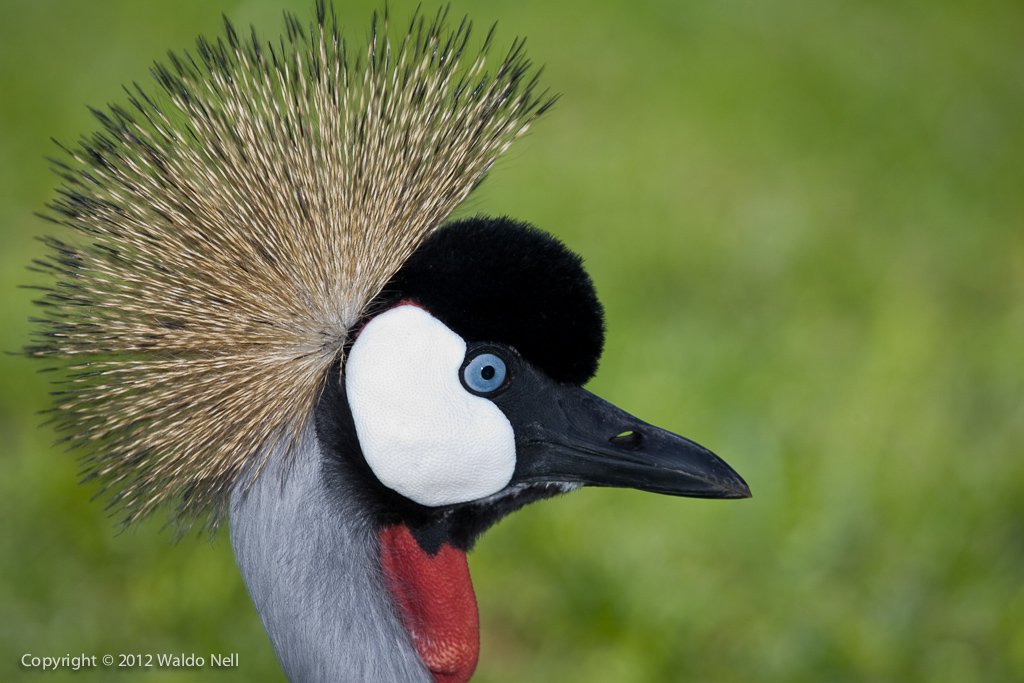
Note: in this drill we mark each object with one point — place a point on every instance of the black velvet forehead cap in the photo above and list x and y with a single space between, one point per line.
499 280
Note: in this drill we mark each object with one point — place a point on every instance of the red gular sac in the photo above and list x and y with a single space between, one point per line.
435 598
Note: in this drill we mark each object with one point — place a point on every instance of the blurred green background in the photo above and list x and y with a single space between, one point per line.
805 220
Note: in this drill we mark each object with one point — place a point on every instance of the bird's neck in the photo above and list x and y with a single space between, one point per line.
313 567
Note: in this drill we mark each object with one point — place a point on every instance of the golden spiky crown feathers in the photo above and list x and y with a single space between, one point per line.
226 233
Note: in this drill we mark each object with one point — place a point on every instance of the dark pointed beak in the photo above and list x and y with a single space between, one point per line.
566 434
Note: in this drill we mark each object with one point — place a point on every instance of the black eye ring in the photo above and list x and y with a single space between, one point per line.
485 373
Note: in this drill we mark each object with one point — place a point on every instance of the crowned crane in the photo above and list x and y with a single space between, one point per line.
262 314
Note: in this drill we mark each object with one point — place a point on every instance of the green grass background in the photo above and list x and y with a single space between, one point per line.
805 220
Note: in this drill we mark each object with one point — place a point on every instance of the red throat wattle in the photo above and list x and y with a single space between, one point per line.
434 594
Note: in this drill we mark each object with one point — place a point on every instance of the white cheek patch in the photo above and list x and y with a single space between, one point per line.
421 432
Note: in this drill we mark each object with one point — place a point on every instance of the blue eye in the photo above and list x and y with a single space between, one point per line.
484 374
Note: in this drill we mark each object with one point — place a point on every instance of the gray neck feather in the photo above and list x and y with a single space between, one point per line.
312 566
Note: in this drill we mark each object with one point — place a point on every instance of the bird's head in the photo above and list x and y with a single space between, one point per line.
460 400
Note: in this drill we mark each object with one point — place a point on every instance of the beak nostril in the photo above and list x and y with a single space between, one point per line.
629 439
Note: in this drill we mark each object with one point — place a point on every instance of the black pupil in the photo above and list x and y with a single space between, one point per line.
487 372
